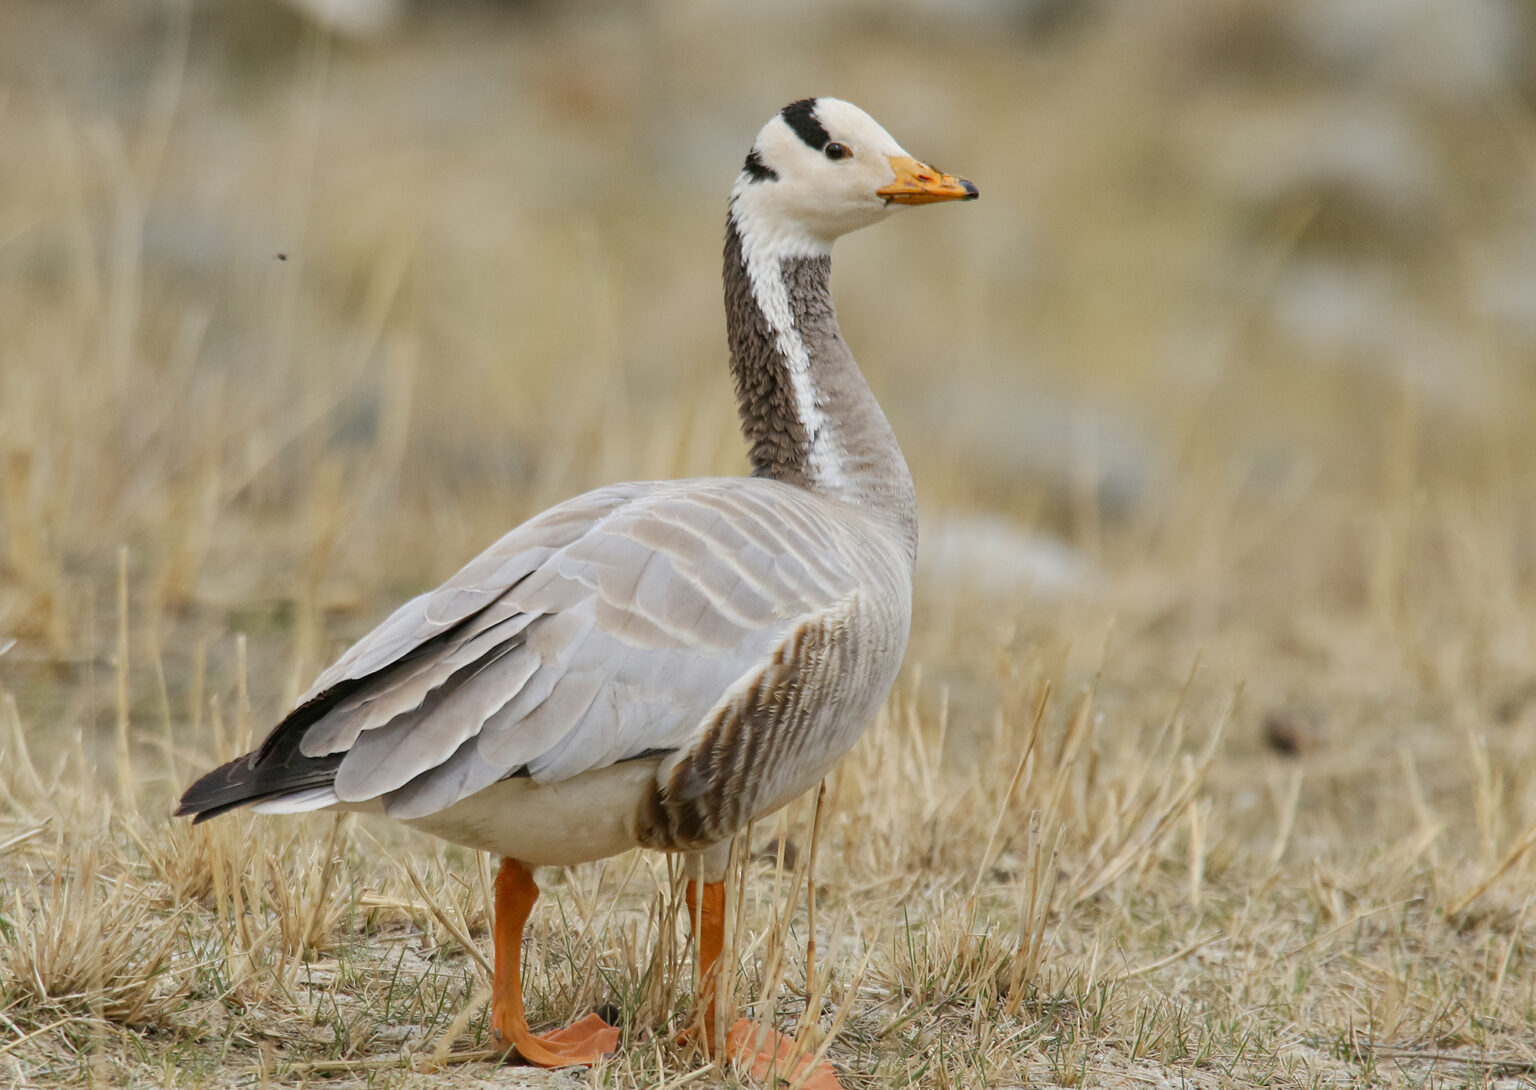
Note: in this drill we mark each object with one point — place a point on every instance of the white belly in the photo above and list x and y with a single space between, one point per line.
590 816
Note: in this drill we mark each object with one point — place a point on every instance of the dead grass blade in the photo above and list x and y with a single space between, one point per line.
1524 843
458 933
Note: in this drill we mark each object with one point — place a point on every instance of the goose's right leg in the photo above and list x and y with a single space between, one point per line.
582 1042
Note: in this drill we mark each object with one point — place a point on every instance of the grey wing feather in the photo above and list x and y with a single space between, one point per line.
607 627
473 587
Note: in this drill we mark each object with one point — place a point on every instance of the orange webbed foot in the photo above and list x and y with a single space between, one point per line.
583 1042
762 1052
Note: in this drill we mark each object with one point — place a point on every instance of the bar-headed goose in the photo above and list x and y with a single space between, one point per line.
652 665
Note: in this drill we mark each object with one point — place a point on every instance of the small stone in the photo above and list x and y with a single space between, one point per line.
1292 733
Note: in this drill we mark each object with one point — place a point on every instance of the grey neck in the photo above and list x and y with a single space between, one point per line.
806 410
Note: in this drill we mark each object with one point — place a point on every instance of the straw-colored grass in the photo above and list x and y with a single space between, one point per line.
288 330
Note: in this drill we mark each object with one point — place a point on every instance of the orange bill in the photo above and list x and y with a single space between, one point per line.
919 183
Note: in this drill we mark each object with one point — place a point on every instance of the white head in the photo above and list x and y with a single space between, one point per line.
822 168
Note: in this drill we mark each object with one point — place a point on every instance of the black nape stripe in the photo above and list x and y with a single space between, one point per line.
801 116
759 170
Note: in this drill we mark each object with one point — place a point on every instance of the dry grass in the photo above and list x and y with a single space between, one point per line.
1259 808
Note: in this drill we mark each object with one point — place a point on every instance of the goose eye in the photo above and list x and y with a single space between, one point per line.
836 151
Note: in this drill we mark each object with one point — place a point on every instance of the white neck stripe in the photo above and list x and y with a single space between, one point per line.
764 252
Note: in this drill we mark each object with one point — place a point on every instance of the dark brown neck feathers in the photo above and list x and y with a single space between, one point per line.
806 411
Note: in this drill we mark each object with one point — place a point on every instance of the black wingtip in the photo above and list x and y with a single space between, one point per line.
245 780
213 792
200 816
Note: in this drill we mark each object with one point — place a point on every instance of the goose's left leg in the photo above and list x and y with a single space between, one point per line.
763 1052
582 1042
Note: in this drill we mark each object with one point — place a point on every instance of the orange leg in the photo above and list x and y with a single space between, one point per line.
707 901
582 1042
759 1053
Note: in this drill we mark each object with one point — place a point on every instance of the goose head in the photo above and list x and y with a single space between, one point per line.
823 167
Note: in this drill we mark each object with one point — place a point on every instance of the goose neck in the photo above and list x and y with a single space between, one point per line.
806 410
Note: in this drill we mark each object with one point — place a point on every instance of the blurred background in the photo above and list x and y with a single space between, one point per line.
302 304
